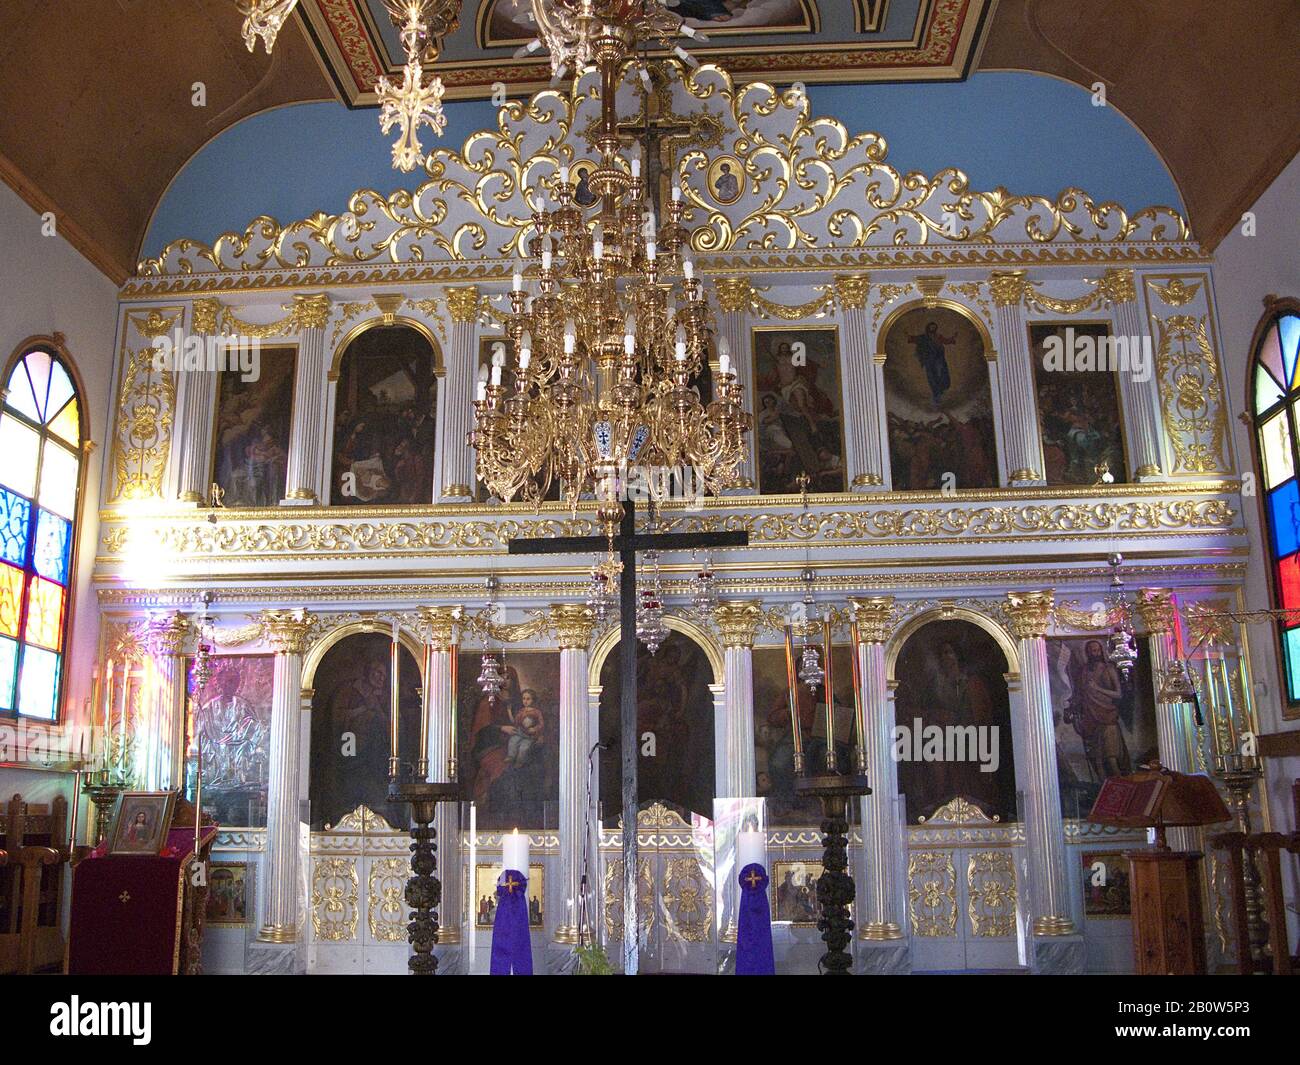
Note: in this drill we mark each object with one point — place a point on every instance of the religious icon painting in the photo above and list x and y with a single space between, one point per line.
509 741
384 419
952 714
799 410
794 892
483 902
504 23
234 728
500 346
773 732
1078 403
1106 885
1105 722
253 420
143 818
726 179
350 727
228 893
580 176
938 401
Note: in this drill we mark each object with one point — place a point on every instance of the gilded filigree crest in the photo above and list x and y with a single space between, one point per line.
1191 397
146 404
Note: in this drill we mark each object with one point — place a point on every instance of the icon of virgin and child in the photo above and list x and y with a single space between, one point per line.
511 756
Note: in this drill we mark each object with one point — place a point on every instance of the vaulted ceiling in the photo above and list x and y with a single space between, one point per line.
97 97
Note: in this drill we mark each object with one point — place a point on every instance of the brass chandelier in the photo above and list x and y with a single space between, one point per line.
611 352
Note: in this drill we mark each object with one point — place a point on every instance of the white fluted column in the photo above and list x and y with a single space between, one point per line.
306 472
192 430
286 631
439 624
1018 407
573 625
738 622
1029 614
1141 399
458 408
733 302
165 768
862 386
882 917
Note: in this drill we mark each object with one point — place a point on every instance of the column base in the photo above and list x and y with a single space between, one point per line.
567 934
191 498
458 492
272 959
300 497
865 482
883 957
278 933
743 486
880 931
1060 955
1053 926
1148 473
1025 479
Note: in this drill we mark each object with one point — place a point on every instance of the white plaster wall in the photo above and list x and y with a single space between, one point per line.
1248 268
47 287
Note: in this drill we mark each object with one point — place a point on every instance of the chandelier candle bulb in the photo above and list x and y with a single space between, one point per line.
724 363
394 716
546 261
514 852
480 387
517 282
636 169
677 194
650 250
688 265
496 376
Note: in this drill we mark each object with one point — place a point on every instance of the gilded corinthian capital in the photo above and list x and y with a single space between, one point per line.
874 617
1155 606
311 311
738 621
166 633
1029 613
1007 287
462 304
574 624
440 624
851 291
1117 286
734 293
287 630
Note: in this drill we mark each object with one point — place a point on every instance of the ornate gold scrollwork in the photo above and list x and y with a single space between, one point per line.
991 894
932 894
687 901
334 910
146 405
614 898
385 910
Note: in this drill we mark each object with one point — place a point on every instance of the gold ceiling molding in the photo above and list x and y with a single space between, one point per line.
342 538
809 185
306 311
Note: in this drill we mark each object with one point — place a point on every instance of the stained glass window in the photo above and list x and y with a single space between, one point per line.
1275 380
40 481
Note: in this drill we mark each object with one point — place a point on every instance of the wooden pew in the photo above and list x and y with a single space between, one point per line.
31 885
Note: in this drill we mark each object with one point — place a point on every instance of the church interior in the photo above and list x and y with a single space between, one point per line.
649 486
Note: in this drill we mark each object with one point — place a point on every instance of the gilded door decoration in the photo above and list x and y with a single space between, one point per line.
687 902
146 404
614 898
334 910
991 893
959 811
385 895
932 894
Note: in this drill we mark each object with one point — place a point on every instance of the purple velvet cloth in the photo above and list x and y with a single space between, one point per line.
754 956
512 946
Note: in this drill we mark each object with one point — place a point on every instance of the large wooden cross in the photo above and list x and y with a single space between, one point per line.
627 543
658 133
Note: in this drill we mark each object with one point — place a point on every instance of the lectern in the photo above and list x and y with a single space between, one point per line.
1168 924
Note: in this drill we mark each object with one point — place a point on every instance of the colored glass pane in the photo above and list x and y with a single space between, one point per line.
1267 391
1275 447
50 556
19 447
39 683
45 614
67 423
1284 509
1288 328
1270 354
1288 581
59 480
15 521
11 599
8 667
60 391
38 365
1291 644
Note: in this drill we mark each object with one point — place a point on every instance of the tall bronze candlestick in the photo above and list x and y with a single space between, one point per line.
829 684
106 733
452 768
426 700
859 719
394 767
792 684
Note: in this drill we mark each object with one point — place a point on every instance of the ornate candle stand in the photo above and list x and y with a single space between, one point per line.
423 889
1240 783
835 889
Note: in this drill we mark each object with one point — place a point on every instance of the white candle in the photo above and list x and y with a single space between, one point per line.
518 281
496 376
724 363
677 194
514 852
751 849
636 168
546 259
564 173
688 269
525 357
650 250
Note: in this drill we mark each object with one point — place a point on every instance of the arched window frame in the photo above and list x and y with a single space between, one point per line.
1275 405
52 346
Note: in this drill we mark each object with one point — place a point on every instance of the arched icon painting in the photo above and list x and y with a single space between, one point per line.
726 179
